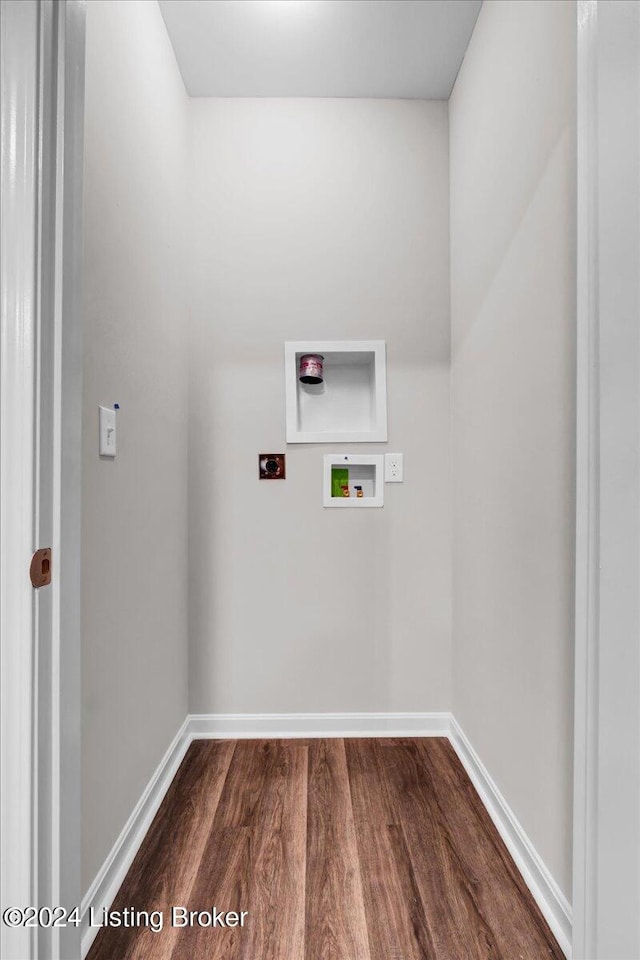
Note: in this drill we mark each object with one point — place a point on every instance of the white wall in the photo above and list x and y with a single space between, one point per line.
513 383
317 219
134 525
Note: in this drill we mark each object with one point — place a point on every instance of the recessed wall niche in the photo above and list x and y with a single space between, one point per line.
350 404
353 480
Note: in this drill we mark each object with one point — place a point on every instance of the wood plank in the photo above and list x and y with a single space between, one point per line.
396 921
460 931
280 741
500 891
254 762
163 872
279 863
255 860
335 923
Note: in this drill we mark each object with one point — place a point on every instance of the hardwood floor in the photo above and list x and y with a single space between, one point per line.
363 849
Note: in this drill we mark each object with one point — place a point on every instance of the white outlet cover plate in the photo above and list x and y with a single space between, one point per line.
107 432
393 468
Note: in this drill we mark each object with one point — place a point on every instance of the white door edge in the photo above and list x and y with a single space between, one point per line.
42 108
18 282
606 827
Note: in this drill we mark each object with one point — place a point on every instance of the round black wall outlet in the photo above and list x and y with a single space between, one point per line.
271 466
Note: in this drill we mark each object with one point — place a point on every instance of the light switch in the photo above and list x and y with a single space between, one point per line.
107 432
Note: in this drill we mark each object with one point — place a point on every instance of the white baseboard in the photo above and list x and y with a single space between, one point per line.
543 887
249 725
553 904
102 891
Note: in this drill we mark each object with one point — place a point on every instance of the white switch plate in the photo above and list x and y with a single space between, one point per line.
107 432
393 468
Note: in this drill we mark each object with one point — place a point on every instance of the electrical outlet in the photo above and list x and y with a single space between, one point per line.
393 468
271 466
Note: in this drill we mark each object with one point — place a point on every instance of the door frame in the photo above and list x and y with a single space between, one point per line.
606 820
587 469
42 104
18 272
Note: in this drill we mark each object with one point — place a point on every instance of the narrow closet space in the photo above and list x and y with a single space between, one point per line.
328 479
